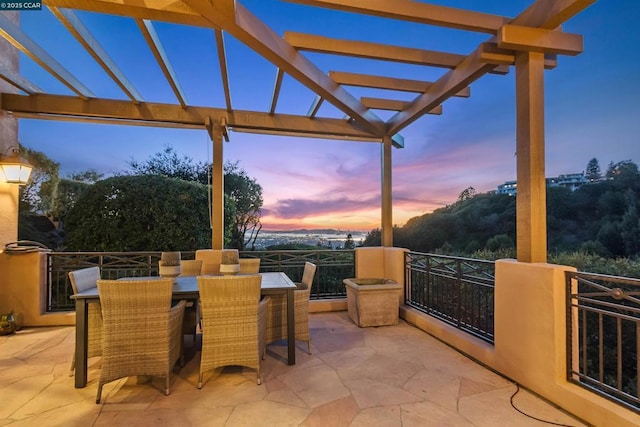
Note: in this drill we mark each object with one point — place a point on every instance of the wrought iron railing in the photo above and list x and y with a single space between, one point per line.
456 290
603 335
333 266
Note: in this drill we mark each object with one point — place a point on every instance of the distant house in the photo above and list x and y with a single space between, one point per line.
572 181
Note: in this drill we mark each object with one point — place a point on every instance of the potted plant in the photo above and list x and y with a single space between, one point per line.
169 265
230 263
373 302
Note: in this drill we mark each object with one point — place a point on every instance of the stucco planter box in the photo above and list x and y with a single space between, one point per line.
373 302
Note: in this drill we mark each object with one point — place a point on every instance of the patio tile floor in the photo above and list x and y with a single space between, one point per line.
385 376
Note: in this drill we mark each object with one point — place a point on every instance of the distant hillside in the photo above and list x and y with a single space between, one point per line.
600 218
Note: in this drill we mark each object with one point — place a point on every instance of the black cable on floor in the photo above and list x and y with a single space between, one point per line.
531 416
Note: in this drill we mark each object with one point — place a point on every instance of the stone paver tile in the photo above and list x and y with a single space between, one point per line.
338 413
315 386
279 392
79 414
369 393
493 408
19 393
347 359
436 386
187 417
328 340
429 414
266 414
385 416
382 368
225 390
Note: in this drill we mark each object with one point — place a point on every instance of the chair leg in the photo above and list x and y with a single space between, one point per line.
73 365
309 347
200 380
99 393
166 391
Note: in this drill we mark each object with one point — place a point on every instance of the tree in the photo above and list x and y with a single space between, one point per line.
243 195
593 170
466 194
168 163
247 196
38 195
140 213
89 176
349 243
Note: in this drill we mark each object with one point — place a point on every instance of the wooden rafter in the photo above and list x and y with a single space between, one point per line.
389 83
545 14
150 35
18 81
413 11
75 26
224 74
392 105
276 91
21 41
244 26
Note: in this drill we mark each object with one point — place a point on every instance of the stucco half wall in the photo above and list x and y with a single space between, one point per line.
530 343
23 289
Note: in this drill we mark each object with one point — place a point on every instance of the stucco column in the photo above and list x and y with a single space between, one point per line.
531 199
8 139
217 186
387 208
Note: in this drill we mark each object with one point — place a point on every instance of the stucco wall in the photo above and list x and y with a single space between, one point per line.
8 138
23 290
530 322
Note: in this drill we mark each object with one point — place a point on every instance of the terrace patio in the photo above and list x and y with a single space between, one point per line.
391 375
385 376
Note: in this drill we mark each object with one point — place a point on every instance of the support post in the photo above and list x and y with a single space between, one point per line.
217 185
531 205
387 211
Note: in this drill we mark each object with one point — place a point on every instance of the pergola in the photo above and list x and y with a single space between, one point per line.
528 42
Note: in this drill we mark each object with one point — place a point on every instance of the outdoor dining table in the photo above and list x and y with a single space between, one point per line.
185 288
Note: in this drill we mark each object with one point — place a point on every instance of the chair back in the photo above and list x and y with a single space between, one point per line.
191 267
249 265
133 309
84 279
308 275
211 259
230 294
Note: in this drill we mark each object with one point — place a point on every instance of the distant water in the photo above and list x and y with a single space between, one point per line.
308 237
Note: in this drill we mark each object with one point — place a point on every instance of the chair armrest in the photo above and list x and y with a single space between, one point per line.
177 313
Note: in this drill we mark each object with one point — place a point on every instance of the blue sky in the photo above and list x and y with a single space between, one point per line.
591 108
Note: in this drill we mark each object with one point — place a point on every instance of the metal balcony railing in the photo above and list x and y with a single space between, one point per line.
333 266
603 335
459 291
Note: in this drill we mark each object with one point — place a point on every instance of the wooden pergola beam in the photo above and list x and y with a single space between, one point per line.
244 26
392 105
413 11
170 115
539 40
388 83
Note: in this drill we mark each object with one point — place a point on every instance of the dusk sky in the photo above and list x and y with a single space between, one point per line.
591 104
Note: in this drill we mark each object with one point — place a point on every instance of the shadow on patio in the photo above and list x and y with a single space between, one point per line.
386 376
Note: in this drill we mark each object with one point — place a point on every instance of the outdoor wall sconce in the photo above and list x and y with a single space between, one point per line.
16 170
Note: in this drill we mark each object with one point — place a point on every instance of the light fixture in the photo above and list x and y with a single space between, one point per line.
16 170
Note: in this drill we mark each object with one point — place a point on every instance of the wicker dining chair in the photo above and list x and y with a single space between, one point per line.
191 267
142 332
82 280
277 311
233 322
249 265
